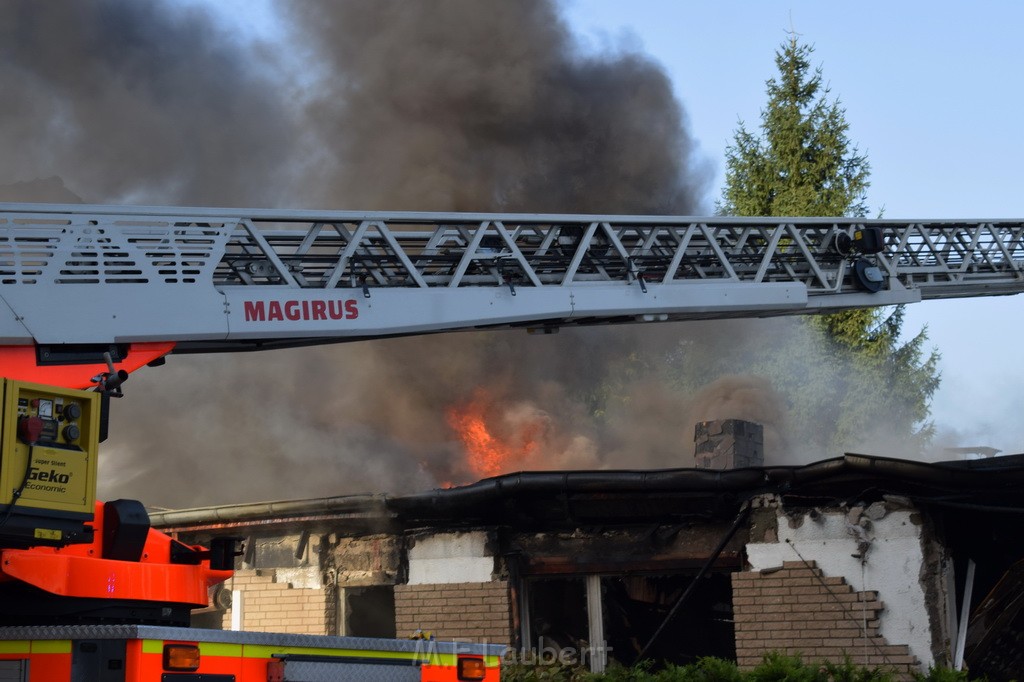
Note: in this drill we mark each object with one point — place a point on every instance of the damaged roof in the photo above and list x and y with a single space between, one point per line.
575 498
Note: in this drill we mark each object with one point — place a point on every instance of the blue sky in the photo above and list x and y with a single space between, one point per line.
928 87
932 92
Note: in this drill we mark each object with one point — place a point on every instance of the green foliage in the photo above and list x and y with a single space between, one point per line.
704 670
542 672
641 672
714 670
848 672
774 668
943 675
779 668
802 163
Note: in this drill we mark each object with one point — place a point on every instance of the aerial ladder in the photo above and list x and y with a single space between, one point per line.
89 294
74 278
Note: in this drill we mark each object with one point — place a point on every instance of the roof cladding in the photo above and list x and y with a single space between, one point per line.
666 495
631 497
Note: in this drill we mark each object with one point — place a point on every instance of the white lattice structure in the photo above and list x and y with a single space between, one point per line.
222 279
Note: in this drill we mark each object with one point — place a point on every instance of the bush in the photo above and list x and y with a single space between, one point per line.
944 675
774 668
848 672
704 670
543 672
779 668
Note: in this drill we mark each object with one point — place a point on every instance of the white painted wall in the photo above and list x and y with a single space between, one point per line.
892 567
446 558
237 610
306 577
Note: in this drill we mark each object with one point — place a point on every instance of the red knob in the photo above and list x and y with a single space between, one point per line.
29 429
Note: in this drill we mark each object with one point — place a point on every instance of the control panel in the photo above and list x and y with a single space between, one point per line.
48 451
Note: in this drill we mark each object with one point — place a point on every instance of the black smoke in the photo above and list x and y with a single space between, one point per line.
142 102
471 106
450 105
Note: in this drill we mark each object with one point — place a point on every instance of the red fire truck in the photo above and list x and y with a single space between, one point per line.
90 593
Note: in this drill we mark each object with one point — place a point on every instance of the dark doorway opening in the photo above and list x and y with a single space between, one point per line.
558 616
636 606
369 611
632 608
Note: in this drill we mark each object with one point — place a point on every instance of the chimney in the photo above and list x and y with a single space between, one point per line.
728 444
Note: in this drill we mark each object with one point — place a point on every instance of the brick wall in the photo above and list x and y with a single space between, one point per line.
270 606
469 612
798 610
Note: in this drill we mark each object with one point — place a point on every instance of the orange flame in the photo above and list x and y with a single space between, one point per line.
488 452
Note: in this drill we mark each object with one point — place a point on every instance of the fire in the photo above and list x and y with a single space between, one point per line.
494 444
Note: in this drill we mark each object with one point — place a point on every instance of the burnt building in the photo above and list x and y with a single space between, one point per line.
879 560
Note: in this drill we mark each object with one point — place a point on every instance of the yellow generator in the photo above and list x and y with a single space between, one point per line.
49 438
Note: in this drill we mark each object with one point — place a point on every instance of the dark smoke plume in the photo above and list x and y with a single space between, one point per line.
141 102
469 106
448 105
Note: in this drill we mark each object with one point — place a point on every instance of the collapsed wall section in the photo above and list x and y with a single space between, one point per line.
796 609
870 573
263 601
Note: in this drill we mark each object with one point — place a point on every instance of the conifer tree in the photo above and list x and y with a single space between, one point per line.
801 162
